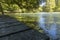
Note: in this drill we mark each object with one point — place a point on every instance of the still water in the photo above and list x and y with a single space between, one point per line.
49 23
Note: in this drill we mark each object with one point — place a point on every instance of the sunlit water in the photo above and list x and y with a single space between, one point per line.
51 32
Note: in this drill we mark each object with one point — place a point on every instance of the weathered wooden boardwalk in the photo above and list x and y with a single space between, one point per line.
11 29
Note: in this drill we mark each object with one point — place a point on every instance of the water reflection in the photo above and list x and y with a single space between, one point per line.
51 30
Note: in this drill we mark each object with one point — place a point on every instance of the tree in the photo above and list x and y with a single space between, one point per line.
50 4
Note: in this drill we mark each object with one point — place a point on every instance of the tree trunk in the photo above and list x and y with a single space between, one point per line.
1 9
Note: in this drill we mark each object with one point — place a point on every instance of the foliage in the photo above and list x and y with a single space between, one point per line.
25 5
30 6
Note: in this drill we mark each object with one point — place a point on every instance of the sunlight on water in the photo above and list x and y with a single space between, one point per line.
42 22
52 31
